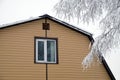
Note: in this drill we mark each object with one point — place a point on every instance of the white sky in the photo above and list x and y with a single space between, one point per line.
15 10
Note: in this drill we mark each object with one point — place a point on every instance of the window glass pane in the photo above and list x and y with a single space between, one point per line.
51 51
40 50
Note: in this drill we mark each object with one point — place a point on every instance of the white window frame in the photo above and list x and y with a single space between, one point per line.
45 50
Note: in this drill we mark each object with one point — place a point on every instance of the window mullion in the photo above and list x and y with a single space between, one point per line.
45 50
55 51
37 50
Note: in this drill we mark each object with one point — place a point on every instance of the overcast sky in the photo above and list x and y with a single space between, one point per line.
15 10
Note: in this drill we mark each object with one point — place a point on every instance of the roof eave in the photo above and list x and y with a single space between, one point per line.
108 69
89 35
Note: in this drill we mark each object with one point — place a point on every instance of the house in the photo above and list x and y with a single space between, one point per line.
45 48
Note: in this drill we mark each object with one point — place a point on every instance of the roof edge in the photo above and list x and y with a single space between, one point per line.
89 35
108 69
18 22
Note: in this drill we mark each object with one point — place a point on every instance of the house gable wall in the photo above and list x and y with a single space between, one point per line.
17 54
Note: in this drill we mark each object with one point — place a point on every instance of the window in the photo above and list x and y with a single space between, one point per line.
46 51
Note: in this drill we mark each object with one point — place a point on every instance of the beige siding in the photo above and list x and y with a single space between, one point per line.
17 54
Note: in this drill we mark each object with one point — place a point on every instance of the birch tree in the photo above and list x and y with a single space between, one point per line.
91 10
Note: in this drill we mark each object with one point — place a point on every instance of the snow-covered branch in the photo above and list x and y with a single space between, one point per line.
92 10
